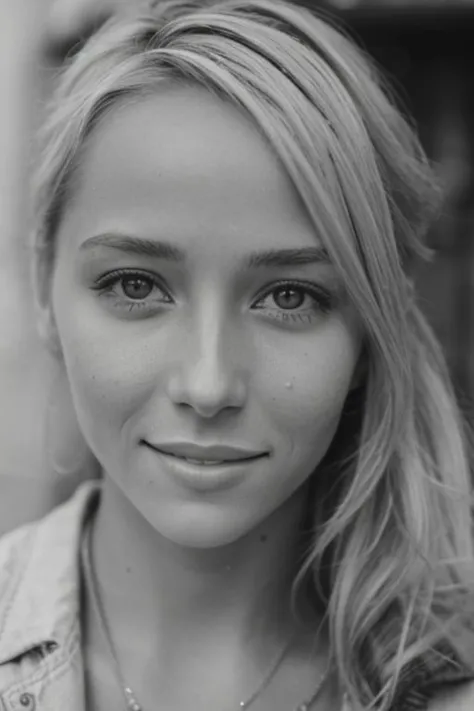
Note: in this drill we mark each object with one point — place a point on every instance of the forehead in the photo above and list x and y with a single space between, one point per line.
186 162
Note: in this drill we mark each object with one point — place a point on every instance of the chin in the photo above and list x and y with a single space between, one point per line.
201 534
205 540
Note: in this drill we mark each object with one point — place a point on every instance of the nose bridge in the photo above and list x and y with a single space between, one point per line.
212 371
209 340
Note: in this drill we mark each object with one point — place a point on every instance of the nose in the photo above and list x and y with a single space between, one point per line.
207 376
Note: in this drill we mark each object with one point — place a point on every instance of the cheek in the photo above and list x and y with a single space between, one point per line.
97 387
306 386
108 374
109 362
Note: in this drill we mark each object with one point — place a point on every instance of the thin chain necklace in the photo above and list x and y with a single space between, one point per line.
130 699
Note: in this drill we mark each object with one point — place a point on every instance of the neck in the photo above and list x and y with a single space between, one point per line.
179 601
164 587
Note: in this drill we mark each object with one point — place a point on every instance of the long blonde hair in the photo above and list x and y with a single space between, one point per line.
391 552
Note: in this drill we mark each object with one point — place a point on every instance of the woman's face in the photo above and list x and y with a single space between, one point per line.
207 340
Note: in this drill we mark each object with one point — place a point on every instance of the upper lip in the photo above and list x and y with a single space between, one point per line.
215 452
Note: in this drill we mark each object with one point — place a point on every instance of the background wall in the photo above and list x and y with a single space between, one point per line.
426 50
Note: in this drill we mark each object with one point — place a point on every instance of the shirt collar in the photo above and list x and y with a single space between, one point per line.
40 577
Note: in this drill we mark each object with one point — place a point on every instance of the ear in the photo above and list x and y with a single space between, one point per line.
42 277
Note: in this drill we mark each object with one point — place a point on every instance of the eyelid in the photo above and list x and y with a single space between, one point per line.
324 297
317 290
114 276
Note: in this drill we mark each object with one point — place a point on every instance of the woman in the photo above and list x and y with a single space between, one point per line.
228 211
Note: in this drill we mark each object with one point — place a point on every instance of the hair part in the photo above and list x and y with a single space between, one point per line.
391 555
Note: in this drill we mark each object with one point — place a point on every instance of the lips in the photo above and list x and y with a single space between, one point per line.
211 455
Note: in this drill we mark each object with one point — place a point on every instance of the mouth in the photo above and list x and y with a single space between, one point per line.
207 456
206 470
212 462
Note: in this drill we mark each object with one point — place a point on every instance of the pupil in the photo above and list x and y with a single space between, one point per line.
287 298
136 288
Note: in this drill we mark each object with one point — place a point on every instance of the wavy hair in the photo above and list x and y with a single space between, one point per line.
391 554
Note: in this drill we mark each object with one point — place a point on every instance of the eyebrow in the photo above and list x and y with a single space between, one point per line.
159 249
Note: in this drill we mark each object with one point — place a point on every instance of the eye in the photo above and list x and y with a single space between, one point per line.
133 289
295 298
288 297
136 287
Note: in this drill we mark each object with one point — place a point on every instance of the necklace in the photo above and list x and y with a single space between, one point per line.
130 699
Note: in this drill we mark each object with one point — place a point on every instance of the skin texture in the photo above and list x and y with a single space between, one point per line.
210 356
208 367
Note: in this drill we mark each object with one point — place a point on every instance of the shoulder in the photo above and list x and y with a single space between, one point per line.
458 698
14 548
39 576
42 539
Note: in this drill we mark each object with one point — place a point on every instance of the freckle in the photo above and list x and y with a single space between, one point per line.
129 570
263 538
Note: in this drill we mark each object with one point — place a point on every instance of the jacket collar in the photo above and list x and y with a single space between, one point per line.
40 577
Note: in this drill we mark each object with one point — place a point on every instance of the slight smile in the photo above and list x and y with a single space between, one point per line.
206 469
210 455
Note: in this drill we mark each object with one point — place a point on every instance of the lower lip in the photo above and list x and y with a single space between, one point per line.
207 477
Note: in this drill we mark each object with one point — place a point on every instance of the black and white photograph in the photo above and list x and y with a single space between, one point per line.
237 355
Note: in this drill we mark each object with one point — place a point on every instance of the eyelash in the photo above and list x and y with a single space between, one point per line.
105 286
324 300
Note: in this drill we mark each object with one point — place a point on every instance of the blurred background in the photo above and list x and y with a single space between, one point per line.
426 50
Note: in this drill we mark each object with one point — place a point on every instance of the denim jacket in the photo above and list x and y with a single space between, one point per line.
41 665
